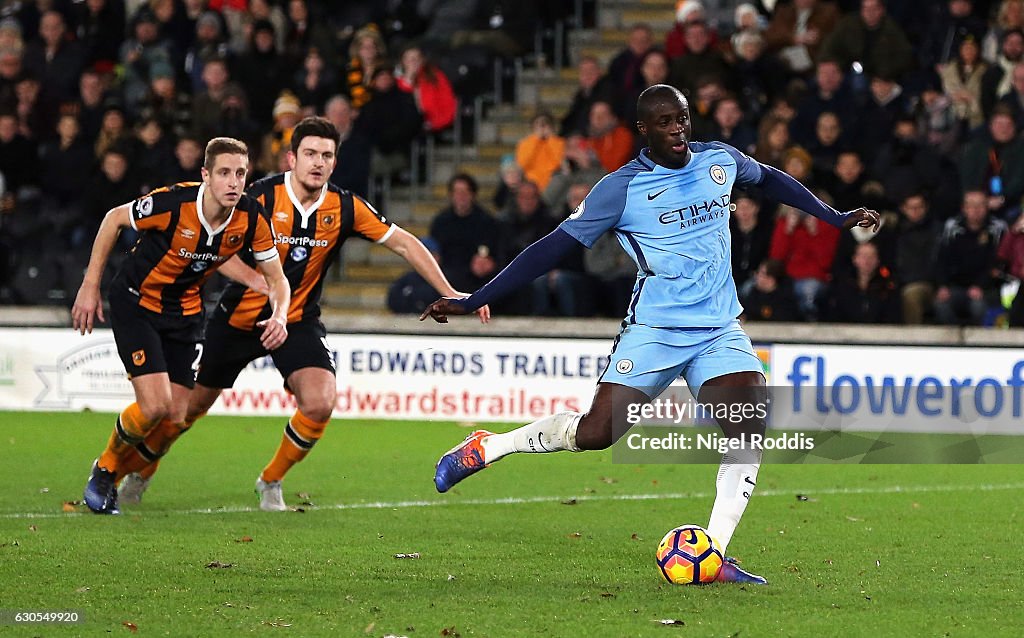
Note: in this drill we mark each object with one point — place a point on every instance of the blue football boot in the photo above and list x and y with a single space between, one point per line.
731 572
101 491
464 459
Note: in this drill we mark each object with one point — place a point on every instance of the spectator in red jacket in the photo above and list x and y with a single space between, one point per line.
430 87
806 247
687 13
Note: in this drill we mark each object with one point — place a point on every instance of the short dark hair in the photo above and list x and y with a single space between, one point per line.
543 115
463 177
1009 32
223 146
315 127
774 268
654 95
742 193
115 149
1001 109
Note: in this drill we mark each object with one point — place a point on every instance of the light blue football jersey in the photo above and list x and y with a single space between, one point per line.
674 223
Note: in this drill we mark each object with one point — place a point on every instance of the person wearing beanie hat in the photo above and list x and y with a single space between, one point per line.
286 112
139 53
286 105
688 12
209 44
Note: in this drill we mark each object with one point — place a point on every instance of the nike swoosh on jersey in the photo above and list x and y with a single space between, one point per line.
652 197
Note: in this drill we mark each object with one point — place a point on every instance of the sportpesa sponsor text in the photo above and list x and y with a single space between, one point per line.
187 254
301 241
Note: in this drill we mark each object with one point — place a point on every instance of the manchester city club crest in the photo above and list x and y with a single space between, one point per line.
718 174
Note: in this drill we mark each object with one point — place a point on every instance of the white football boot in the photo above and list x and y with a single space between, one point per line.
271 498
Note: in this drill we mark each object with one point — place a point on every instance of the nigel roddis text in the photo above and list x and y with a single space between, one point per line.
509 364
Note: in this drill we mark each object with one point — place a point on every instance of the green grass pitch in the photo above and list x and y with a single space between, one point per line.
919 550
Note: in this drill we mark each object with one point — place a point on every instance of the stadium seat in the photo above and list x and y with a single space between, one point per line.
37 280
470 71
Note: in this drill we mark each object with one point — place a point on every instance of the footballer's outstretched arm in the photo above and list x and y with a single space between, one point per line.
237 270
275 329
538 258
784 188
405 244
88 304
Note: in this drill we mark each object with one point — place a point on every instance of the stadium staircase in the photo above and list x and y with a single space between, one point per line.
361 283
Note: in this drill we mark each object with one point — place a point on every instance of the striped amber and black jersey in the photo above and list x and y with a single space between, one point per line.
178 250
309 240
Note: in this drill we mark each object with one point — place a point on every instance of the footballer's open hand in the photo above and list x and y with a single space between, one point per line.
862 217
275 332
87 309
440 309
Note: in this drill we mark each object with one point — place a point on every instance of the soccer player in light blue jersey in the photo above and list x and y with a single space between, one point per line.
669 209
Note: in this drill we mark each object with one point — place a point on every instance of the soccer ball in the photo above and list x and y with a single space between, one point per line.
689 556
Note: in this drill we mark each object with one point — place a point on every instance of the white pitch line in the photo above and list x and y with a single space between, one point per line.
527 500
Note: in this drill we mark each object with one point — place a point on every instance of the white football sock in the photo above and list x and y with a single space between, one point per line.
550 434
737 476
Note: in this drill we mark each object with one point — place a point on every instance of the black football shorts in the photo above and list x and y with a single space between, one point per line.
228 350
149 342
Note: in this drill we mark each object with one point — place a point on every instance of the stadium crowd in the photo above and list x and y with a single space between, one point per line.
914 109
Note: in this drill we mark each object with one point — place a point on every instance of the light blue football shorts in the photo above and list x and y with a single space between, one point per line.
650 359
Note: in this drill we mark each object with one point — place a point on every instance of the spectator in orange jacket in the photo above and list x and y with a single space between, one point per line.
611 141
541 152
